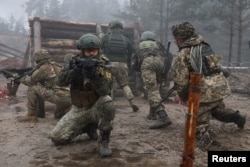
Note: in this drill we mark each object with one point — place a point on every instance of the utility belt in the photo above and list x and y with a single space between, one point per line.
83 99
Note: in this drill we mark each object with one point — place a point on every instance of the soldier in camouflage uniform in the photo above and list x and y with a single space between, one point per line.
149 61
119 52
214 86
41 85
90 88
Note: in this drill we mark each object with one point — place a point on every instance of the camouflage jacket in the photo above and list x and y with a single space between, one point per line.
45 73
213 87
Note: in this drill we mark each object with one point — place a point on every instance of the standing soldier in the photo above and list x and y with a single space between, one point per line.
118 48
197 55
41 85
150 62
90 87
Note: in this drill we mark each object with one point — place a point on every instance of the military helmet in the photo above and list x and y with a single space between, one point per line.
148 35
184 30
88 41
115 24
41 54
148 45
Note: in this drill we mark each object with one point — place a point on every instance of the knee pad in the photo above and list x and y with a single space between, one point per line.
106 114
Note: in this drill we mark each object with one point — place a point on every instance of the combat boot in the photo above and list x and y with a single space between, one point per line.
239 119
132 104
31 117
92 131
163 120
152 114
104 139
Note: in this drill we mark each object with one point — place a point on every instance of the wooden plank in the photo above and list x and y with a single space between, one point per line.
60 34
26 55
13 49
37 35
62 43
7 53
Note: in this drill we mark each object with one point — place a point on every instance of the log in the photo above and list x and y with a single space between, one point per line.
63 25
61 51
62 34
60 58
63 43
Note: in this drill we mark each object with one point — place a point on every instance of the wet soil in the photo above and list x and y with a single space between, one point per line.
133 144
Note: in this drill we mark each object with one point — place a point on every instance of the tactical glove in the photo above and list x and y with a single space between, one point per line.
76 72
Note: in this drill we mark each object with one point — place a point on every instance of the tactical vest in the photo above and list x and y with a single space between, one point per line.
116 48
81 95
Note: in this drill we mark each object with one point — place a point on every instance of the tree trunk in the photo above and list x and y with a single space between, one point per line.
240 28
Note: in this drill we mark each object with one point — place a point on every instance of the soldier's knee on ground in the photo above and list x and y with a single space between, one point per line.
204 137
58 140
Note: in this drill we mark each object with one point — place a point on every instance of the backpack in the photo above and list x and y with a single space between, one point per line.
116 43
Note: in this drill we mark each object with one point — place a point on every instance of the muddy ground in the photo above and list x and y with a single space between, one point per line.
133 144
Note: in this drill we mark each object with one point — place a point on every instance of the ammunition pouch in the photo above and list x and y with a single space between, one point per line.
83 99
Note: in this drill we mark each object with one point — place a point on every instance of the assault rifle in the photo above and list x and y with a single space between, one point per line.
88 65
168 60
16 74
9 72
168 94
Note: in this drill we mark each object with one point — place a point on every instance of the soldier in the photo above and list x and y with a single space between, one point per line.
90 88
150 62
214 86
118 48
41 85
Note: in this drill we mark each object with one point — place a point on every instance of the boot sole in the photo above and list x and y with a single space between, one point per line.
161 126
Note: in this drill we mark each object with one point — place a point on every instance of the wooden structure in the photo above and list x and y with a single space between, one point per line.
12 57
59 37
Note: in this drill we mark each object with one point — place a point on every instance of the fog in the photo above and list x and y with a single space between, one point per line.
225 24
12 7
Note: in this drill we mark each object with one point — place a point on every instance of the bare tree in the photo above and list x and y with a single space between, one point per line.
243 14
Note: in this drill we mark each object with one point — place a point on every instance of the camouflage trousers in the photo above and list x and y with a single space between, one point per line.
60 96
72 123
119 72
150 68
204 132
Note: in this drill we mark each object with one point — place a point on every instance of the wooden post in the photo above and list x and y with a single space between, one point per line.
191 119
37 37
